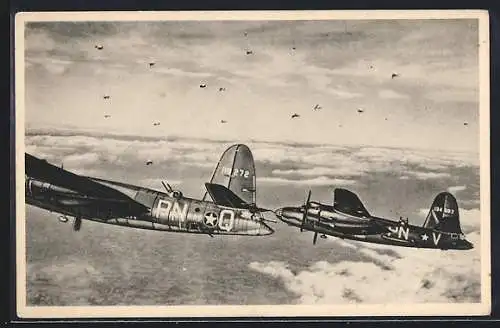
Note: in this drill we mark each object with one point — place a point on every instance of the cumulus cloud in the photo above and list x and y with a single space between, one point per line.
319 181
469 219
429 175
407 276
455 189
75 150
318 171
288 164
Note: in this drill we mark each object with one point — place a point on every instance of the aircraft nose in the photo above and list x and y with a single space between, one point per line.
290 215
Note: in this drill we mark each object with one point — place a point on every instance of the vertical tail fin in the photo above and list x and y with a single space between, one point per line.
236 171
444 214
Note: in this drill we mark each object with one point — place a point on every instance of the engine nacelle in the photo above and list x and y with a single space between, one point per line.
34 188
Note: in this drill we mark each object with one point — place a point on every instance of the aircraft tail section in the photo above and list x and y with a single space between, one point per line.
347 202
444 214
236 172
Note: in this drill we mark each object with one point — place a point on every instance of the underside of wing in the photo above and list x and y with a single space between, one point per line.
347 202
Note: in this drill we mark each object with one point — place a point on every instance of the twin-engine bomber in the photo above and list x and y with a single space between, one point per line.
349 219
233 210
232 189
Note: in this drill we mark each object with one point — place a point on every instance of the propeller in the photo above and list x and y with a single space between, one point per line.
306 205
167 187
315 238
263 219
254 209
77 224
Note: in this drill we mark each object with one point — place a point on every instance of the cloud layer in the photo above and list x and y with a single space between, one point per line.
392 275
285 173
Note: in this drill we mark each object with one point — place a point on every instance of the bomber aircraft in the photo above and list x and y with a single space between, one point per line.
349 219
232 189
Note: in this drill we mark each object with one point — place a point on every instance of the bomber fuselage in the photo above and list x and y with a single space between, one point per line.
163 211
325 220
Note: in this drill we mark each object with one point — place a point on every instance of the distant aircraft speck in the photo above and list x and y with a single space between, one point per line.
360 110
107 116
106 97
394 75
295 115
98 46
149 162
223 121
203 86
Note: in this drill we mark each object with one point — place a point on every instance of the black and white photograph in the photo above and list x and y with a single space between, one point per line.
213 164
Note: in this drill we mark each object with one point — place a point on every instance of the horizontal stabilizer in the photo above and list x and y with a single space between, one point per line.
224 197
347 202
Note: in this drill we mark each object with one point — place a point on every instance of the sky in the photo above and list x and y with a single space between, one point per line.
342 66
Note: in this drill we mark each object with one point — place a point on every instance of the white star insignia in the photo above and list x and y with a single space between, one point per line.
210 219
424 237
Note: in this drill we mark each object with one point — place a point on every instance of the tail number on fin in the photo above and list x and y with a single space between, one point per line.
227 171
226 220
445 210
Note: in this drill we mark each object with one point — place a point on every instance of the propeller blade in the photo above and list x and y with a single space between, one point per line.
306 205
167 187
268 220
77 224
315 238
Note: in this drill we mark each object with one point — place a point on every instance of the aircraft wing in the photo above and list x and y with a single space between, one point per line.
224 197
347 202
88 190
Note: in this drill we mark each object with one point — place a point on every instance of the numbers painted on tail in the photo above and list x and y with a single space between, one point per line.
444 210
235 172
